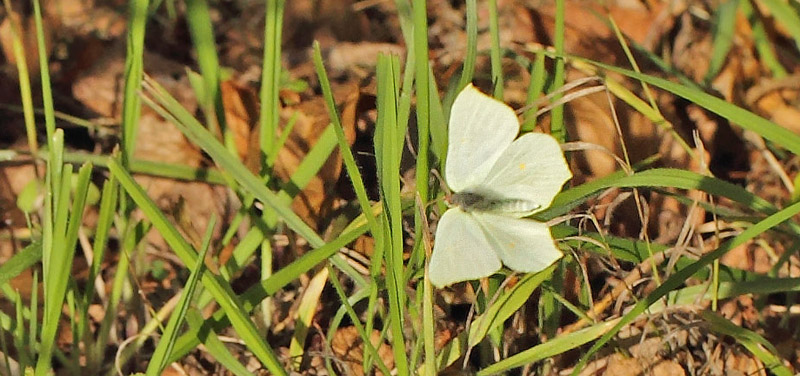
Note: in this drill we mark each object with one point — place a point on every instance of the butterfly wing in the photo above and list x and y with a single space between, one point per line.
462 251
480 129
531 169
524 245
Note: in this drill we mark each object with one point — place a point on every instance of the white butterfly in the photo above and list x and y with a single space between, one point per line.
497 180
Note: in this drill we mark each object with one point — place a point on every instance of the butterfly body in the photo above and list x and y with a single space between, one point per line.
491 203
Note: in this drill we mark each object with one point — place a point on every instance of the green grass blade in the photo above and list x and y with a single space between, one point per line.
736 115
21 261
495 54
534 90
558 345
557 128
394 260
44 68
277 281
202 32
270 77
752 341
722 39
310 165
761 40
438 121
221 291
786 15
24 79
159 359
58 266
228 162
659 177
347 155
506 305
104 221
471 55
692 294
134 68
388 148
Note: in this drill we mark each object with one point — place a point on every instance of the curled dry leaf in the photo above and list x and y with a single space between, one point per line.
349 350
311 119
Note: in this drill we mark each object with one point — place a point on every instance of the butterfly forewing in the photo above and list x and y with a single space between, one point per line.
480 129
531 169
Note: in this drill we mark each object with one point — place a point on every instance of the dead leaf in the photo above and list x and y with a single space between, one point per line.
315 201
241 118
349 349
27 35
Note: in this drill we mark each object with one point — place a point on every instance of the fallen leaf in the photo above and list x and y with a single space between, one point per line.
348 347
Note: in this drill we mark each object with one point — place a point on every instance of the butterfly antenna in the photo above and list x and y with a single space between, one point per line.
426 229
442 183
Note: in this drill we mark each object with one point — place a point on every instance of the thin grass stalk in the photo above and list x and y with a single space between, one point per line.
270 79
557 128
33 325
44 68
50 239
366 337
159 360
347 155
134 67
470 56
422 84
387 153
763 45
202 32
24 79
423 102
534 90
495 51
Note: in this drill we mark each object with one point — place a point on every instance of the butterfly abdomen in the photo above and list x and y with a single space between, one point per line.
488 202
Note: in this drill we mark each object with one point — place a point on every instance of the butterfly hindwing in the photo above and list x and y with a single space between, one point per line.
462 251
524 245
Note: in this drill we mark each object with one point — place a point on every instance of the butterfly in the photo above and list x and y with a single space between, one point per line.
497 181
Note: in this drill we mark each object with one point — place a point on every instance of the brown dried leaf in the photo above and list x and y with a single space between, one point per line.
241 113
315 202
349 348
27 36
241 118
